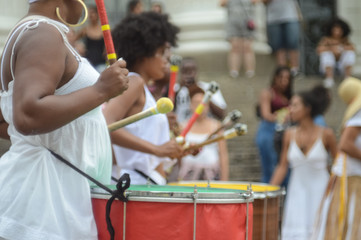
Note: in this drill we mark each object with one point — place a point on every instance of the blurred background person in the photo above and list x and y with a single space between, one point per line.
305 149
189 77
240 33
273 104
211 163
78 45
283 32
135 7
336 51
92 37
157 6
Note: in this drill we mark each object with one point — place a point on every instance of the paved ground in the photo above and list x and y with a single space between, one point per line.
242 94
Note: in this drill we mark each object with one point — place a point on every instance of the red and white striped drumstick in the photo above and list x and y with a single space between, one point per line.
164 105
238 130
175 61
108 40
207 96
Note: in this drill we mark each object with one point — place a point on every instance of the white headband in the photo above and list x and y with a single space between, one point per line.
31 1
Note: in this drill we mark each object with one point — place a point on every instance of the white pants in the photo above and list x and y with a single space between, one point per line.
327 59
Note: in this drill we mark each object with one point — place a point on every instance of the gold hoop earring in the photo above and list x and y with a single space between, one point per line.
78 24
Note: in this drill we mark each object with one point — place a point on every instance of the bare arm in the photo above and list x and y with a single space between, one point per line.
123 106
282 168
323 45
3 128
42 70
347 142
330 141
265 106
224 159
80 34
348 45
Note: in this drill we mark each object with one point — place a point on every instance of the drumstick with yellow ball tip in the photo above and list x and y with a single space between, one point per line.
164 105
237 130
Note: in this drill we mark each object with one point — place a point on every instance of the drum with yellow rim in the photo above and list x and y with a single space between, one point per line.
176 212
268 200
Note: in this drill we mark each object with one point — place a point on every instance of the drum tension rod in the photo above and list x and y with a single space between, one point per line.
195 197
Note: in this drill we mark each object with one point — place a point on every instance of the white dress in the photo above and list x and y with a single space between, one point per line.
41 198
154 129
307 184
203 166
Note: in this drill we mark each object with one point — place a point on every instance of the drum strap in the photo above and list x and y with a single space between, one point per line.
122 184
146 176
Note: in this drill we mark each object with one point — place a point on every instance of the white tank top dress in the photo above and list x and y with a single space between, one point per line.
307 184
203 166
41 198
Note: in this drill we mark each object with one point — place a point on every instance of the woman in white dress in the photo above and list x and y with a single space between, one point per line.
305 150
50 100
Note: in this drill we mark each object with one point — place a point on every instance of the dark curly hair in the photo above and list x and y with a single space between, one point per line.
337 22
139 36
318 99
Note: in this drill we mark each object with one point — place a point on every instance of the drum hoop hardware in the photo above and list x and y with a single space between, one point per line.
249 191
124 218
244 199
264 218
195 197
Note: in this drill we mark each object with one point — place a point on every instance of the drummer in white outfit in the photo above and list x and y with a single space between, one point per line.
305 149
142 148
51 100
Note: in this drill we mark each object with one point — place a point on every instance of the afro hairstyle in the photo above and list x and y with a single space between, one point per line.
139 36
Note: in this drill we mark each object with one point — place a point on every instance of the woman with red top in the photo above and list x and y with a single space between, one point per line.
273 104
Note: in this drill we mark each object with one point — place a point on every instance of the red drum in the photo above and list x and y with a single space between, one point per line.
176 213
266 206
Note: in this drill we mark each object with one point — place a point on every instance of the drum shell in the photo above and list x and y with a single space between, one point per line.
164 220
266 206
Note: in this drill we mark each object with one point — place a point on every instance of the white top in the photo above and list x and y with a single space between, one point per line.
280 11
353 165
41 198
209 154
307 184
183 110
154 129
